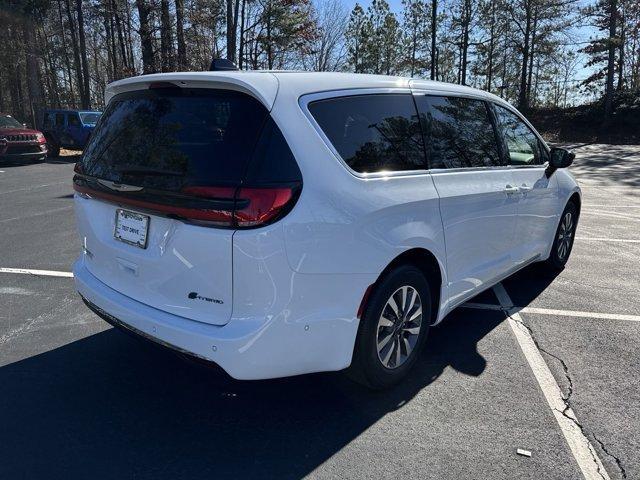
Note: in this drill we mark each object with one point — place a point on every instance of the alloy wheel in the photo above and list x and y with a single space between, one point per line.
399 327
565 236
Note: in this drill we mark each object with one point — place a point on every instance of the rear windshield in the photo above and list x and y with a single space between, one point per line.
169 138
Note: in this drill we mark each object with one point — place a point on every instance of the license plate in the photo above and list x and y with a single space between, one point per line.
131 228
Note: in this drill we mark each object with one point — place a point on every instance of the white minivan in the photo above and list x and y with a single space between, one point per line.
281 223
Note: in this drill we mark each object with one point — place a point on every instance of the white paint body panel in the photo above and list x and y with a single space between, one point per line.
479 218
179 259
291 290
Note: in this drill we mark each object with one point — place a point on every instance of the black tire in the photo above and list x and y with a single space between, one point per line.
563 240
368 367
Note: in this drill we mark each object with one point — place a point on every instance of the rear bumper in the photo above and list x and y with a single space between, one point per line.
246 348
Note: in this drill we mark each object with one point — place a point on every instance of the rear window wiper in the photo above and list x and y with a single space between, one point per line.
148 171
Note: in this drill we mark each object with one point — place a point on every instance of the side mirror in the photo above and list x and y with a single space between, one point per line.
560 158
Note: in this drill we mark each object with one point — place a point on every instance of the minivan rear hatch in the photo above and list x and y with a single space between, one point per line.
161 188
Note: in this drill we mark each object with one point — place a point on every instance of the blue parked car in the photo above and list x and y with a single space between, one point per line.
68 129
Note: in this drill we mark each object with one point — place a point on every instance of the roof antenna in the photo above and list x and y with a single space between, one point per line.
222 64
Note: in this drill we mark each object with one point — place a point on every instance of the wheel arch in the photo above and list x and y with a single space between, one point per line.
577 200
427 263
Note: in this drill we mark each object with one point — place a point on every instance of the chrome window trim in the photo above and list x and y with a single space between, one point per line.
306 99
439 171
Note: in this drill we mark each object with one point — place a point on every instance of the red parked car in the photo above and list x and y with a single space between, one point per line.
17 142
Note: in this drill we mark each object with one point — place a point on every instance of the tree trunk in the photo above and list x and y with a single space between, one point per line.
414 41
621 56
132 62
434 20
465 41
34 86
76 52
17 99
522 95
611 61
86 94
51 73
532 53
182 47
146 39
111 51
166 37
233 7
65 50
269 50
121 42
242 33
492 30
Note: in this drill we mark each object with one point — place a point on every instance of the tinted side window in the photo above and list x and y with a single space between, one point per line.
73 120
459 131
523 145
59 119
373 133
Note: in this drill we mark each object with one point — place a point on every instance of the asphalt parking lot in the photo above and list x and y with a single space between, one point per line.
80 400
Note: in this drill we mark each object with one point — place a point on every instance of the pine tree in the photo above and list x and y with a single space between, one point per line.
416 33
602 51
356 38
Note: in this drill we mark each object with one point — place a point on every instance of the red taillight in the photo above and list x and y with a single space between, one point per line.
40 138
254 206
264 205
218 217
247 206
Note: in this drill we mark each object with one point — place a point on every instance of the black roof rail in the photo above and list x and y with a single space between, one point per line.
222 64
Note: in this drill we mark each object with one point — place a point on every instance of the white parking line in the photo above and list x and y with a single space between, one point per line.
555 312
28 271
606 239
33 187
584 453
612 215
39 214
573 313
602 205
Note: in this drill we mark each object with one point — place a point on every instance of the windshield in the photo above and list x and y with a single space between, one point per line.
7 121
90 118
171 138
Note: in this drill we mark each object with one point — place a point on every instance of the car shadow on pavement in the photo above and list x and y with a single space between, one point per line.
109 406
526 285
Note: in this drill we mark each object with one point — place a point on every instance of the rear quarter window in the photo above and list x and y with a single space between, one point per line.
373 133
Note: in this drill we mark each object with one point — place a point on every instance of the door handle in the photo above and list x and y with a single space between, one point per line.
524 188
510 190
